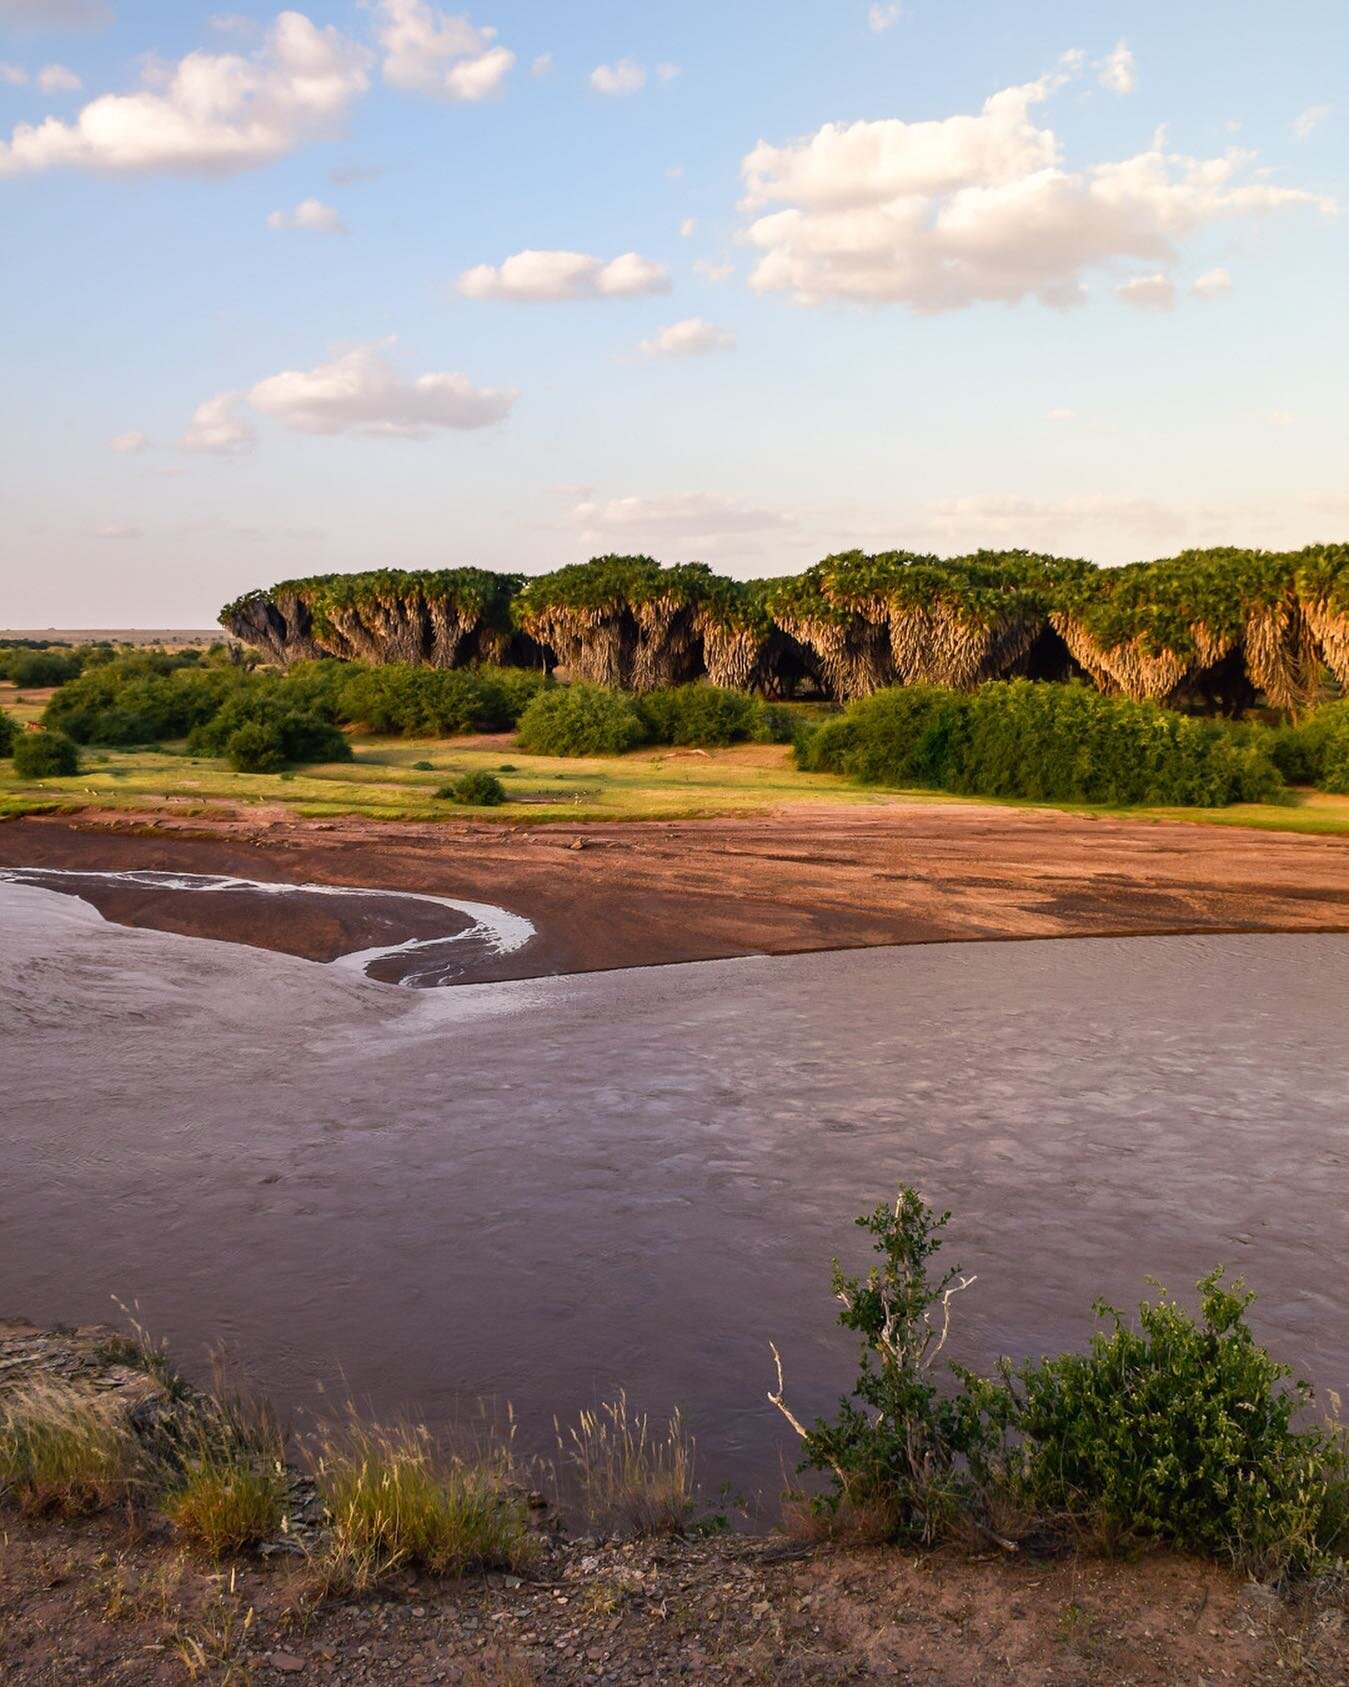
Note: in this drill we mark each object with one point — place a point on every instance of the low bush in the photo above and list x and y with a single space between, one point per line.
144 697
63 1451
475 790
39 668
1316 750
45 755
436 702
1045 742
1180 1432
9 731
395 1502
698 714
260 731
580 720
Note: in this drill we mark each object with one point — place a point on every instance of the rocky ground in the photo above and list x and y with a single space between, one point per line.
613 894
116 1599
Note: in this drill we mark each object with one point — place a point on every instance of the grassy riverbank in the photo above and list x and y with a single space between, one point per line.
384 781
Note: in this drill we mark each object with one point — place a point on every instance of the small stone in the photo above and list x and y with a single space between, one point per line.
286 1662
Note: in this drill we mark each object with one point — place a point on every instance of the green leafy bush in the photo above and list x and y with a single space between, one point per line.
37 668
698 714
1181 1431
437 702
1045 742
144 697
1316 750
475 790
9 731
580 720
45 755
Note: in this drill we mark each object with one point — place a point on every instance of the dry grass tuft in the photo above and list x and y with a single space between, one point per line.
230 1488
64 1450
394 1500
631 1476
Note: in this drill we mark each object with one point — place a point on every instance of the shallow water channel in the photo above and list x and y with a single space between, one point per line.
548 1190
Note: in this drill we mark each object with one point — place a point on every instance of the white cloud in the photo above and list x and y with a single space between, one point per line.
209 113
129 443
1148 292
688 227
532 275
311 215
1212 284
542 65
692 519
625 77
56 14
1061 414
713 272
999 518
359 391
690 338
667 72
427 51
1118 70
220 427
1281 418
15 75
943 214
884 15
1307 120
57 79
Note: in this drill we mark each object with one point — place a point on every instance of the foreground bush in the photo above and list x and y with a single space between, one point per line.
45 755
394 1502
1181 1432
261 731
435 702
9 731
1044 742
700 714
1316 750
580 720
143 697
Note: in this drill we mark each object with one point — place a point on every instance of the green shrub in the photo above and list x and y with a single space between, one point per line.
698 714
580 720
38 668
144 698
423 767
45 755
1182 1431
256 747
1316 750
437 702
259 731
9 731
475 790
1046 742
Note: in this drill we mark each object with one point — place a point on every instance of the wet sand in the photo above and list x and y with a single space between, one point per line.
803 879
549 1189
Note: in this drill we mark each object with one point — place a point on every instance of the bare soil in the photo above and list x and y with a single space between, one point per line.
608 895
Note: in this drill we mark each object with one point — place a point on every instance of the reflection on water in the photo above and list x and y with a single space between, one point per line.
417 962
548 1190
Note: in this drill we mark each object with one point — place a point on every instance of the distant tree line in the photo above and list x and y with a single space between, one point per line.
1213 631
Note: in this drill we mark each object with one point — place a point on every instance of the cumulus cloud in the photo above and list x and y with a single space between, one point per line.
690 338
1307 120
56 14
1212 284
667 72
359 391
542 65
534 276
220 427
1148 292
997 518
1118 70
692 519
427 51
714 272
625 77
14 74
885 15
947 213
129 443
58 79
310 215
688 227
211 113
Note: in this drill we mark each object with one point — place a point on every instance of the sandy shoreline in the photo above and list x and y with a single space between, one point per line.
611 895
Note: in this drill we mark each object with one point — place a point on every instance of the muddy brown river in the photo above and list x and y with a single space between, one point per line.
545 1191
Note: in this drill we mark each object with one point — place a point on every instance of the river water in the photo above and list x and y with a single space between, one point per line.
545 1191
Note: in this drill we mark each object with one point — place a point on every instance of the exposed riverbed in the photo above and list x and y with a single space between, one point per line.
548 1189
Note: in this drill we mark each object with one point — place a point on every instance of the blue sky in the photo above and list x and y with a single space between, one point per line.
260 318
